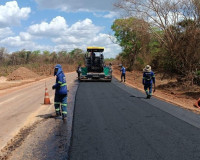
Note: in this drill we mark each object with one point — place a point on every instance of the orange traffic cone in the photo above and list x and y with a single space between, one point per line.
46 97
197 104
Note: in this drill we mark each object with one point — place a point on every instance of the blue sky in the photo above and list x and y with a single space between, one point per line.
57 25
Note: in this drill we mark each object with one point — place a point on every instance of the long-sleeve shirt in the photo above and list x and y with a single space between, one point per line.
61 84
148 78
123 70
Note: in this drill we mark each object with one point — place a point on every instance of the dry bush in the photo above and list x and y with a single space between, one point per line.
40 69
178 22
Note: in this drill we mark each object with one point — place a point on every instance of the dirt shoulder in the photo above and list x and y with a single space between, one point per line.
41 135
167 89
9 84
15 76
19 77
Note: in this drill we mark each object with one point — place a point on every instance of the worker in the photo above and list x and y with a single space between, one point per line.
148 81
79 71
93 58
110 66
61 92
101 56
123 73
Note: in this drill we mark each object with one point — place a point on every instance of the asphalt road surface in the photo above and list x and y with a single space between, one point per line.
115 122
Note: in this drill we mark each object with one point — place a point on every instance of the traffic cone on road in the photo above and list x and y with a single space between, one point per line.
197 104
46 97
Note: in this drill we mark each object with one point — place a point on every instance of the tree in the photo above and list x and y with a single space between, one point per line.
188 48
133 36
62 56
77 56
54 57
35 56
179 40
2 54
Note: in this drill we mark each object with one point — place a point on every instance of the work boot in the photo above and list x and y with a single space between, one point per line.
124 80
149 96
58 113
64 116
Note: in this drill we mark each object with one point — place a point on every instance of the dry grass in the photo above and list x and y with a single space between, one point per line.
40 69
43 70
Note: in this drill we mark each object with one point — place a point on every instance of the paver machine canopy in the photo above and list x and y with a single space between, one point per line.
94 59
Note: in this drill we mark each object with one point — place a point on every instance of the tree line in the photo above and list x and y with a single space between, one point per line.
41 62
163 33
75 56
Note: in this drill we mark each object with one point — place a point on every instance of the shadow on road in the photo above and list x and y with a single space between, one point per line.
46 116
138 97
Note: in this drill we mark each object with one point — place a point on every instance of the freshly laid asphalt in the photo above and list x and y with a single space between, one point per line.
115 122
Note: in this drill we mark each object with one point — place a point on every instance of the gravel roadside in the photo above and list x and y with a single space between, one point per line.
46 137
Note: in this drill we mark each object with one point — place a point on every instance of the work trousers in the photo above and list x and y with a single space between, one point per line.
79 73
61 100
148 89
123 75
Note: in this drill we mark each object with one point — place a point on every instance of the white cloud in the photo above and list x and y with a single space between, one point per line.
111 49
13 42
5 32
11 14
55 28
18 43
80 32
111 15
63 37
84 28
59 31
78 5
25 36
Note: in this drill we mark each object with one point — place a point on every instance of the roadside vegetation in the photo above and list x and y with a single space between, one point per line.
162 33
40 62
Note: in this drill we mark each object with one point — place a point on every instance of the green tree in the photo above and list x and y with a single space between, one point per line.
54 57
35 56
3 52
133 36
179 23
77 56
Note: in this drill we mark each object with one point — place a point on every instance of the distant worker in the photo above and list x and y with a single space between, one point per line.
101 56
148 81
79 71
123 73
110 66
93 57
61 92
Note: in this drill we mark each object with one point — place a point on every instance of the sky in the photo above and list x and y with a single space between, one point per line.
57 25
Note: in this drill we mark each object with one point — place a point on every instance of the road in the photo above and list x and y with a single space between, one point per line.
111 122
115 122
22 114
